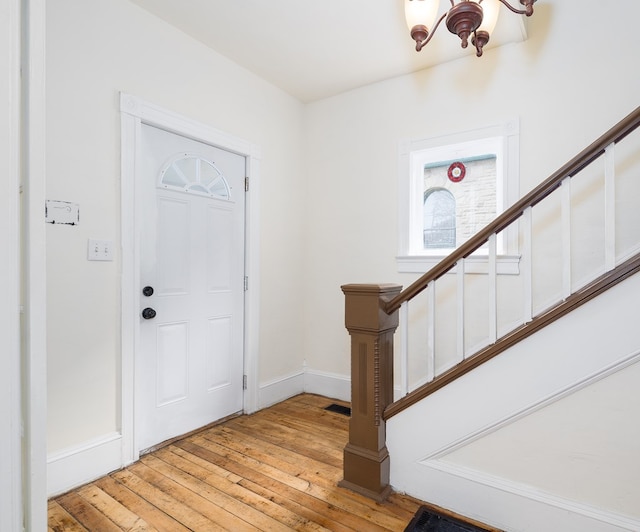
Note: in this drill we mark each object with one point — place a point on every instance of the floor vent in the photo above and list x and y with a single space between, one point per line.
339 409
429 520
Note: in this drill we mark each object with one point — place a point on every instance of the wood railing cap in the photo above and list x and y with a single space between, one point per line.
382 288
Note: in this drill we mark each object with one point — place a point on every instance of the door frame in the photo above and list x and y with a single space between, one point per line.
134 112
11 454
25 27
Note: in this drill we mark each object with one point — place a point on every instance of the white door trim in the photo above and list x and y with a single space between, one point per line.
10 406
33 245
134 112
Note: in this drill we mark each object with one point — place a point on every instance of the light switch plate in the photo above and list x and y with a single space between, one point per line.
100 249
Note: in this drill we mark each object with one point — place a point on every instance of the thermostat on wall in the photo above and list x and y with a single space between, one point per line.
61 212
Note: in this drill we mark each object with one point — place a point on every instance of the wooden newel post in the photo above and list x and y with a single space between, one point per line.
366 459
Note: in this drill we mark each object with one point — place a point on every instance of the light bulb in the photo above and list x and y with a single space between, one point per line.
420 13
490 11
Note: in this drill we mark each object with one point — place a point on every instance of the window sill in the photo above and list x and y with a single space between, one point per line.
505 264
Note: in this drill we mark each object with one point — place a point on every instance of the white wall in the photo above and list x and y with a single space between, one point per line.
568 83
95 50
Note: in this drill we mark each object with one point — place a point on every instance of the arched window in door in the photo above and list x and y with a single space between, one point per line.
188 172
439 211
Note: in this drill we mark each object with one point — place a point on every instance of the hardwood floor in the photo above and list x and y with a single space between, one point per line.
275 470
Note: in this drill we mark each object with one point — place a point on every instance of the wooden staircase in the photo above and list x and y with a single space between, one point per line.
374 312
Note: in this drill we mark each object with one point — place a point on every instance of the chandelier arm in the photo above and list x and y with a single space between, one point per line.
421 44
528 11
475 41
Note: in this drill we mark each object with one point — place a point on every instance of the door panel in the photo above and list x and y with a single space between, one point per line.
219 249
219 339
190 362
172 365
173 248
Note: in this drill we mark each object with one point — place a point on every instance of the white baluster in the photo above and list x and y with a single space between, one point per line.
431 342
566 237
460 266
609 208
492 282
526 262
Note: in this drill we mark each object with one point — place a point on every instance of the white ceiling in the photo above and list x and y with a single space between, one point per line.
316 49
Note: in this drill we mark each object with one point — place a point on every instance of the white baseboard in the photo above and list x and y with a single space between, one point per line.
278 390
328 384
78 465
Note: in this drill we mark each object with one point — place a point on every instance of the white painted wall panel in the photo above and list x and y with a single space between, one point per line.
583 448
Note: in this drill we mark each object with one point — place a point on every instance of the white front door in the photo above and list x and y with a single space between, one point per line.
189 368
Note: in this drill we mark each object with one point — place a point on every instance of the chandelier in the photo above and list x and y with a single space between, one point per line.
473 19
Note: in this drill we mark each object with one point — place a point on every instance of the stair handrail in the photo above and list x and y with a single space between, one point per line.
580 161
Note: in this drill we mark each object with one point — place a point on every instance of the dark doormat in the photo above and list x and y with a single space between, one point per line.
339 409
429 520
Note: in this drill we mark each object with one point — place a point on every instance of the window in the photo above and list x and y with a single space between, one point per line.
191 173
439 227
450 188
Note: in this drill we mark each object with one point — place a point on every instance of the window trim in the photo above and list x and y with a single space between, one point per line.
414 153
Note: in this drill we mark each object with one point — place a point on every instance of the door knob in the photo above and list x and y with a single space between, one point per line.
147 291
148 313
